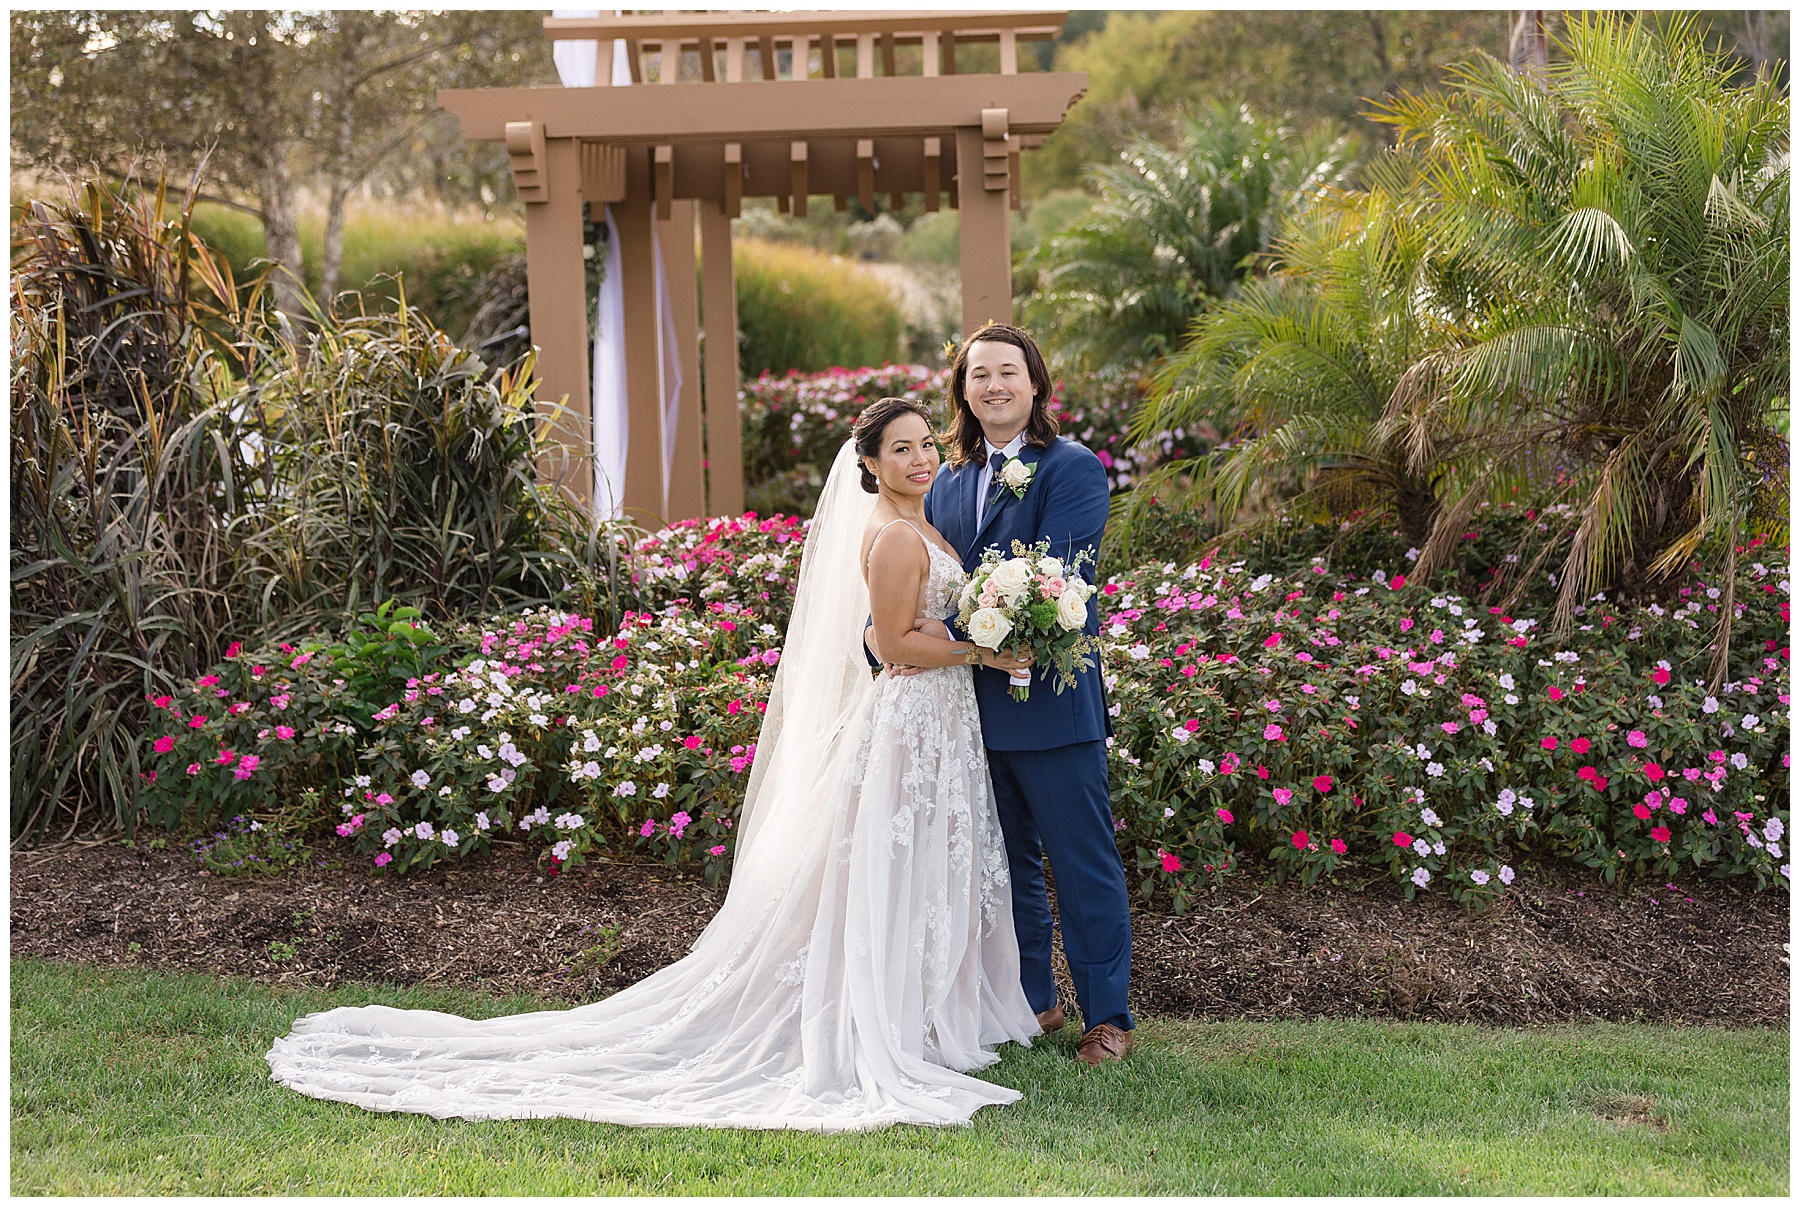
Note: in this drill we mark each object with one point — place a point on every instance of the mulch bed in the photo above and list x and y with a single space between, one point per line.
1566 948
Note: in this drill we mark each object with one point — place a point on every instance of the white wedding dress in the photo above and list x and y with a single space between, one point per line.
863 958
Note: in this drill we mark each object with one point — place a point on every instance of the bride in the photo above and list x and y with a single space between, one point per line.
864 957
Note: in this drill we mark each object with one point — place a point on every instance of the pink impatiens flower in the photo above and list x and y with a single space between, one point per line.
1581 745
1402 838
164 744
1271 641
1170 863
1224 815
1659 833
1548 743
1636 738
1653 772
1299 840
1283 796
383 859
1272 733
1337 846
1322 783
1660 676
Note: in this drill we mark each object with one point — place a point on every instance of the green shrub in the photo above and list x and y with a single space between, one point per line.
187 478
798 309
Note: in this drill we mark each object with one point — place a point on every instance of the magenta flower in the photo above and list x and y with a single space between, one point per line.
193 768
716 851
1548 743
383 859
1653 772
1283 795
196 722
1170 863
1322 783
164 744
1659 833
1299 840
1636 738
1337 846
1224 815
1272 733
648 828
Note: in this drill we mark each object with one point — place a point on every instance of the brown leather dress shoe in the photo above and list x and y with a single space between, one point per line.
1103 1042
1051 1019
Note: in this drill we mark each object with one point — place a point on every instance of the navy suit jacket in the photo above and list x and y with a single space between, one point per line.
1066 502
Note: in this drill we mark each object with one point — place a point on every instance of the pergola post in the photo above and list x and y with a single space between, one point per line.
986 225
558 288
718 299
687 480
642 498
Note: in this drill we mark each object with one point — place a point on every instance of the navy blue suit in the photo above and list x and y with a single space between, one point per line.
1047 754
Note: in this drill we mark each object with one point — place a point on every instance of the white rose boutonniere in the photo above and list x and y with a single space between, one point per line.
1016 476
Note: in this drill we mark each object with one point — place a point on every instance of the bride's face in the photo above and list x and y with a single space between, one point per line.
909 457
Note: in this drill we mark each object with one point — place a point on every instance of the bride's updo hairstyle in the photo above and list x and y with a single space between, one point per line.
869 426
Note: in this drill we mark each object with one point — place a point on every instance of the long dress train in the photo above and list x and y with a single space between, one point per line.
862 961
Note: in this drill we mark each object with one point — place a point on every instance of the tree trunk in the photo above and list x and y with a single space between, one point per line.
334 241
1416 505
281 232
1530 49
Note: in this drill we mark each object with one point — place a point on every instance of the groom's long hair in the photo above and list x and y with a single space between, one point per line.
966 440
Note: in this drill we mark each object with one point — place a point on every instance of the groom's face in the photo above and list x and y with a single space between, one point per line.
999 389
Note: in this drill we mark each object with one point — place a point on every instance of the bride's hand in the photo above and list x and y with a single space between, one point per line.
1007 660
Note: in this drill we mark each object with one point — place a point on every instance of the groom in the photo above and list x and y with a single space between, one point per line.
1046 754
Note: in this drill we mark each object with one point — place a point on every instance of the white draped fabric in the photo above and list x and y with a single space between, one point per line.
577 64
862 961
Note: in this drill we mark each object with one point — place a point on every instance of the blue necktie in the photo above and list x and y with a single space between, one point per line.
987 501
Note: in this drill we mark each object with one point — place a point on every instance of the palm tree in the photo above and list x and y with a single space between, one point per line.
1303 364
1173 231
1584 267
1624 216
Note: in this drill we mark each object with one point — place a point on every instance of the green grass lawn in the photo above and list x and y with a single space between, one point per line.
128 1081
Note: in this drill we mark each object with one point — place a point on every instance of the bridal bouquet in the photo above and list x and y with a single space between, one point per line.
1031 600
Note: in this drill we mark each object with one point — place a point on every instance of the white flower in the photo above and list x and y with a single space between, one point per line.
1430 818
1434 769
988 627
625 789
561 850
423 830
484 750
1015 474
660 791
446 790
1506 681
496 783
1410 687
1181 735
1506 874
970 591
1421 847
1010 578
390 836
1709 705
1739 761
1750 721
482 822
1207 766
569 821
1421 877
1511 699
361 781
1773 829
1490 727
1050 567
1527 802
1437 848
421 778
451 838
1071 609
1478 876
1139 652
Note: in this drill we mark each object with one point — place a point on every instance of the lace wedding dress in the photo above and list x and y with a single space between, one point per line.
863 958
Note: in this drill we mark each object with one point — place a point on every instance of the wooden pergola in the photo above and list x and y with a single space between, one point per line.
845 121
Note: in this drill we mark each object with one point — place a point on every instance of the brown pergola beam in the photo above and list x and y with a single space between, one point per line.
783 110
902 25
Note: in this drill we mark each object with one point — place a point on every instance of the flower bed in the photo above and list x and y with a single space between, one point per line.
1324 717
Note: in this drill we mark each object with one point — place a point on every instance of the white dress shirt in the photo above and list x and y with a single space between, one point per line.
984 484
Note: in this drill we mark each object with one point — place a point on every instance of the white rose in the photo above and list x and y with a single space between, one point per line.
1010 577
1015 474
970 590
1050 567
1071 610
988 627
